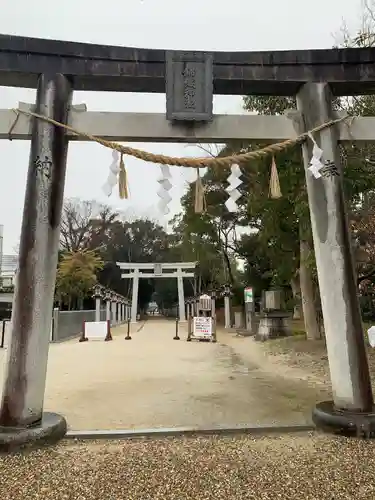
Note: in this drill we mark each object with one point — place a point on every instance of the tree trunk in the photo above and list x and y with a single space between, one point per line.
229 269
307 294
296 290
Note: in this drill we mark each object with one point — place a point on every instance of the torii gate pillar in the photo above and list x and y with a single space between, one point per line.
21 414
135 296
352 407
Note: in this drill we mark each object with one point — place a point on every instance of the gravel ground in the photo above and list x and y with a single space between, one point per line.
155 381
300 466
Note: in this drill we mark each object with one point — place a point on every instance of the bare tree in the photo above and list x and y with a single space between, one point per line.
80 221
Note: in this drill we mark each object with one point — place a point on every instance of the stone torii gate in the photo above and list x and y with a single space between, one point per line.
56 68
176 270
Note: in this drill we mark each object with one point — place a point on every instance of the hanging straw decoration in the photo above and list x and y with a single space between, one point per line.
123 180
274 191
200 200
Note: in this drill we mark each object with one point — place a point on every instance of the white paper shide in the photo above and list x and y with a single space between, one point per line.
316 163
164 187
234 181
114 170
371 336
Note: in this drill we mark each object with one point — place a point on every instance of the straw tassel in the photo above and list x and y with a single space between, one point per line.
200 201
274 191
123 181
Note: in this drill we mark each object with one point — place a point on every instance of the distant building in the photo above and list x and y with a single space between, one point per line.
8 268
1 245
8 265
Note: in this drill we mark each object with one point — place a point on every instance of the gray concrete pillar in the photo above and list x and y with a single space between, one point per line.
351 387
55 324
108 309
134 305
227 318
190 309
213 306
113 312
23 394
97 308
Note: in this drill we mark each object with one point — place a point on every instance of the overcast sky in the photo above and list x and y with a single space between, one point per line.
165 24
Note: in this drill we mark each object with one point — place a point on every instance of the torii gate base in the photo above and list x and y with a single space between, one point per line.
50 430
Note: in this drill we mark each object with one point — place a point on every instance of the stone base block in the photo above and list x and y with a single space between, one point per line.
51 429
352 424
272 326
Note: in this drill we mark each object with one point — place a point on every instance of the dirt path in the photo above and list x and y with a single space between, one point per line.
155 381
310 385
269 361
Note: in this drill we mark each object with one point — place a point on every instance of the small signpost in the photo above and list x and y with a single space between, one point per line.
202 328
203 325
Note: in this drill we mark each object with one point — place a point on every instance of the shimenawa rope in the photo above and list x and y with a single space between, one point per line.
226 161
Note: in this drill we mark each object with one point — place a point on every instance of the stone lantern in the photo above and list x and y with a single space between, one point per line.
227 293
213 303
108 299
97 295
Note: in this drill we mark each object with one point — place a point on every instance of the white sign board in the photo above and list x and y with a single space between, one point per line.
96 330
202 327
371 336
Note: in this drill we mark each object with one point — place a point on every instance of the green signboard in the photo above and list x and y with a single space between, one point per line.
249 297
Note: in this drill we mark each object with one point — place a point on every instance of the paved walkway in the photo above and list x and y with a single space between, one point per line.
155 381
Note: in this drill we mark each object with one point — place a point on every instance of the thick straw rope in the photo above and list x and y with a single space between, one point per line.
226 161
